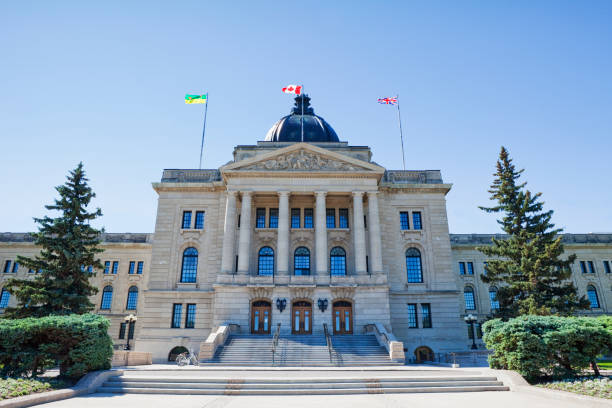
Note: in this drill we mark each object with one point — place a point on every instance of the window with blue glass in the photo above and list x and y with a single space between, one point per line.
461 268
132 267
470 268
330 217
107 265
4 298
31 271
493 299
186 220
590 263
416 220
468 295
107 298
139 267
122 330
343 218
337 261
606 265
484 268
404 220
265 262
7 266
189 267
115 267
295 218
593 298
426 315
260 218
273 217
199 221
414 266
301 261
132 299
308 218
190 316
412 316
15 267
177 312
583 268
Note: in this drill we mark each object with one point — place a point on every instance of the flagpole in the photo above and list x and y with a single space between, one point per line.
399 119
302 119
203 131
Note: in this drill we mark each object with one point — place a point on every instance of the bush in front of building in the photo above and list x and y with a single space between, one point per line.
546 346
77 343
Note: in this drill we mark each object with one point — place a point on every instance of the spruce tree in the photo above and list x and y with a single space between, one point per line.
527 266
69 245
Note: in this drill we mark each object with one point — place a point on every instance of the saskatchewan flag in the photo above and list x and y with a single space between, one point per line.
196 98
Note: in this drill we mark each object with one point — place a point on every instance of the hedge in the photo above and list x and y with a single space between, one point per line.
77 343
540 346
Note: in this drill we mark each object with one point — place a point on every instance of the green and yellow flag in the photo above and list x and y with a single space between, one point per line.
195 98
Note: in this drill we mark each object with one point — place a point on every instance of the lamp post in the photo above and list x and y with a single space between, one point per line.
129 320
471 319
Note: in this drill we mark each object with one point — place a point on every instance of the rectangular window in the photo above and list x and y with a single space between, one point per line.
190 317
468 295
186 219
484 268
606 266
426 313
15 267
273 217
132 267
89 269
106 267
343 218
330 217
461 268
493 299
308 218
4 298
140 267
115 267
122 330
412 316
470 268
583 267
199 221
177 311
7 267
295 218
416 220
404 223
591 267
260 218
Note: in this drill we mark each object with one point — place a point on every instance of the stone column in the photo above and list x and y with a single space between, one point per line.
244 241
229 233
282 245
374 229
320 234
359 233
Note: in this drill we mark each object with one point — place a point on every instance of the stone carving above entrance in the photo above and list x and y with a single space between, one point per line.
302 293
343 293
303 160
261 293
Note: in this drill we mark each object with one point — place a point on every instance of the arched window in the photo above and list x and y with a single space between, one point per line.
4 298
337 261
189 270
132 299
593 298
265 264
301 261
107 298
468 295
414 267
493 298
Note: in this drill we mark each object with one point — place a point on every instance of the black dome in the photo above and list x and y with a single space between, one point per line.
289 128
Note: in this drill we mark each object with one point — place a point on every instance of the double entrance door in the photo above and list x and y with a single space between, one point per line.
342 313
302 317
260 317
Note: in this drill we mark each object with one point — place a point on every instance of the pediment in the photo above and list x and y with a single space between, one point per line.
302 157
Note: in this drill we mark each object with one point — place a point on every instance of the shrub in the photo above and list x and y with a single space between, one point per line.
78 343
537 346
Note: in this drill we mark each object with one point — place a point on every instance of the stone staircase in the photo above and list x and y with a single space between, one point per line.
189 383
302 351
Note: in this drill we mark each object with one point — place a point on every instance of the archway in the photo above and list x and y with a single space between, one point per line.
176 351
261 313
302 317
342 312
423 353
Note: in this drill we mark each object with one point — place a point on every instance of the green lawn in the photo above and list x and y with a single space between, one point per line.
604 364
16 387
594 386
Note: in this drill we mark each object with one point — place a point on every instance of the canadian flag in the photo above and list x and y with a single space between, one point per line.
293 89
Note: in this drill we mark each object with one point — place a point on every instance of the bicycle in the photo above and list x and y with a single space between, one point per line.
187 358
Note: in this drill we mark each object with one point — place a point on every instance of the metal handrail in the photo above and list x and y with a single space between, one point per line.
275 341
329 342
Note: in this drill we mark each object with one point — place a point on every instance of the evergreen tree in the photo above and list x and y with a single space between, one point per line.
526 267
68 246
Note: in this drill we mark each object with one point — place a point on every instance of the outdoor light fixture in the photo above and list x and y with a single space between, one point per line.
129 320
471 319
322 303
281 304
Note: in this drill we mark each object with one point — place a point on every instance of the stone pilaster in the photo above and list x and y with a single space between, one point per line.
374 229
229 233
359 233
320 234
282 246
244 241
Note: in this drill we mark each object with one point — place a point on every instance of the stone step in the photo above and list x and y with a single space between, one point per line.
185 377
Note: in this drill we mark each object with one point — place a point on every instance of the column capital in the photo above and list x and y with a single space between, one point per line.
232 192
246 193
320 193
283 193
372 193
358 193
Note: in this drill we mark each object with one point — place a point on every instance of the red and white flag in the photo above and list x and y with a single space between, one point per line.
293 89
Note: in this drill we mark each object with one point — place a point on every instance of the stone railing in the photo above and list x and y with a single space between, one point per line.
413 177
215 339
190 176
388 341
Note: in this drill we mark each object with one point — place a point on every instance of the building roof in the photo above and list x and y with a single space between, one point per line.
127 237
485 239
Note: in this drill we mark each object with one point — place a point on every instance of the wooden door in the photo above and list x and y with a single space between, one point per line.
260 317
342 313
302 318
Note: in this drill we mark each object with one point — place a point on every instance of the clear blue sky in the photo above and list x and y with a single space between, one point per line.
104 82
